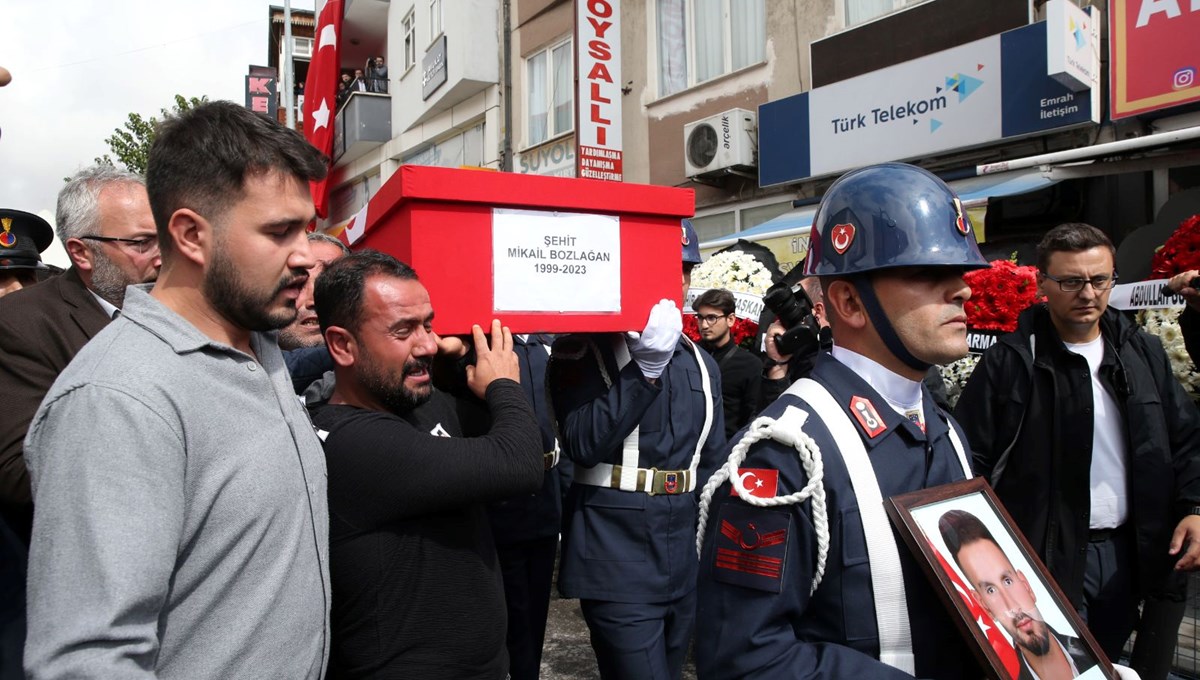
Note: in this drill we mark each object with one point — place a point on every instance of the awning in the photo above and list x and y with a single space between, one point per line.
972 191
977 190
787 224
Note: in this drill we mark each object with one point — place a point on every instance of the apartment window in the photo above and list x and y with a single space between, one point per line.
858 11
302 47
551 94
409 26
699 40
715 226
435 19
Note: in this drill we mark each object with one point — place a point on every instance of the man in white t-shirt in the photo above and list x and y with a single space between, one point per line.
1088 439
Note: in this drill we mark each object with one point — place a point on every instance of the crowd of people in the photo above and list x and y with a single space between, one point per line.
373 79
235 448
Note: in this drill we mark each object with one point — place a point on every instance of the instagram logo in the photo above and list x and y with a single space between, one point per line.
1184 78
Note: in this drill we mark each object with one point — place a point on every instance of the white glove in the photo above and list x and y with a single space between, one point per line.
653 347
1126 673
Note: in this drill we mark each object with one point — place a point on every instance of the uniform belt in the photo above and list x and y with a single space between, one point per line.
649 480
1102 535
550 459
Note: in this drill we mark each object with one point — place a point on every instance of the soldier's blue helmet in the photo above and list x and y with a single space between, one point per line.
690 243
890 215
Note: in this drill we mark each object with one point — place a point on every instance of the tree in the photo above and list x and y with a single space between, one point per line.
131 144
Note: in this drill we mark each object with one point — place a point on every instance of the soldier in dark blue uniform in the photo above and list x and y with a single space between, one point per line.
800 572
526 527
641 418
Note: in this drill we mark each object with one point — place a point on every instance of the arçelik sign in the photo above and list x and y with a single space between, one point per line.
1154 55
598 97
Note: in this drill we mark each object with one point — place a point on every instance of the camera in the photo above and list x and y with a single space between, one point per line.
794 311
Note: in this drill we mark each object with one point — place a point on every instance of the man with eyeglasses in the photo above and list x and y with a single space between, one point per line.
1079 424
741 371
104 221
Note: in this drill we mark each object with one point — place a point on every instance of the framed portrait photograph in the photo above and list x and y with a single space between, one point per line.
1010 611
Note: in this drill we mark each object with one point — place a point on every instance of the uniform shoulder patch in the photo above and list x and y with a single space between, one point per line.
760 482
866 415
751 546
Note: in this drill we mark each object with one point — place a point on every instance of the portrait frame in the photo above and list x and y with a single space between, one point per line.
916 517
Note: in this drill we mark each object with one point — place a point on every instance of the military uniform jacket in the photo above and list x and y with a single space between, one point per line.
755 615
629 546
537 515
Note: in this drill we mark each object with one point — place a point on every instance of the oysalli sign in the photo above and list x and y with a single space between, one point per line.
598 94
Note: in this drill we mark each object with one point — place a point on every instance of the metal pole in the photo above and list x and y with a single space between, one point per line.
1086 152
289 95
506 149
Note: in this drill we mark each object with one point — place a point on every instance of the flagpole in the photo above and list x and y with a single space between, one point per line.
289 94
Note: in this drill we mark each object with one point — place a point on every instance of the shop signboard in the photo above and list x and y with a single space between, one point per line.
982 92
555 159
598 93
433 68
1073 45
1154 55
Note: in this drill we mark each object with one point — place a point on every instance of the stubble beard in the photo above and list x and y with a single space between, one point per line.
387 386
225 290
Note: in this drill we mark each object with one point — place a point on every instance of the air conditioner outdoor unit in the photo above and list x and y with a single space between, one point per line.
715 145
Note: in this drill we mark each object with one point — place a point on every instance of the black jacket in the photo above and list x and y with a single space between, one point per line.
741 384
1036 404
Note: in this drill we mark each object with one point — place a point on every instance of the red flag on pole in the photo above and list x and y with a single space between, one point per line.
320 90
1004 649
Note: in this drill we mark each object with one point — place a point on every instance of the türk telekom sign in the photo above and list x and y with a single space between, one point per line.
1154 55
598 98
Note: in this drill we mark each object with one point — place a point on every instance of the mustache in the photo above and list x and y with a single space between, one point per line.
298 278
415 364
1020 616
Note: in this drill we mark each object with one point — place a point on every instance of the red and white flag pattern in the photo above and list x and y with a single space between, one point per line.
320 90
355 227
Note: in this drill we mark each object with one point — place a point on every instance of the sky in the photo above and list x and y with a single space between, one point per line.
80 67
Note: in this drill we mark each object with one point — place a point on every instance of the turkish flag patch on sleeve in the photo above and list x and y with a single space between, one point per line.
751 546
759 482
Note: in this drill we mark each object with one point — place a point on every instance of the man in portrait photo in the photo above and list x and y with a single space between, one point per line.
1006 595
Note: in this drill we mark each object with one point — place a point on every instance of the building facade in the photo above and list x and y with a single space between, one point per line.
721 96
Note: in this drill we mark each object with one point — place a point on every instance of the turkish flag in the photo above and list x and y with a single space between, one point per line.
1004 649
320 94
758 482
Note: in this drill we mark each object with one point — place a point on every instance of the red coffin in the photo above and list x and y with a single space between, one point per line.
439 220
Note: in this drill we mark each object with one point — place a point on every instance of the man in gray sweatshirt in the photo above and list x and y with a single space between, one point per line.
182 527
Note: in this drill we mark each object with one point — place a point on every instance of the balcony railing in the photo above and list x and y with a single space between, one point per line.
363 123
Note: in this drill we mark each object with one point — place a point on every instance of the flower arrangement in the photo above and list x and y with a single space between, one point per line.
1180 253
999 294
955 375
738 272
1164 323
733 270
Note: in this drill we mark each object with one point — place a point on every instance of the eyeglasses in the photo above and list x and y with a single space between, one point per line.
141 245
709 319
1076 284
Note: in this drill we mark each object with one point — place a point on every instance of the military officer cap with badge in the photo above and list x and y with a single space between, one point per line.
23 237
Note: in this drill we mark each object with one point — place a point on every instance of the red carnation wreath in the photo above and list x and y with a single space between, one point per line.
1180 253
741 331
999 294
